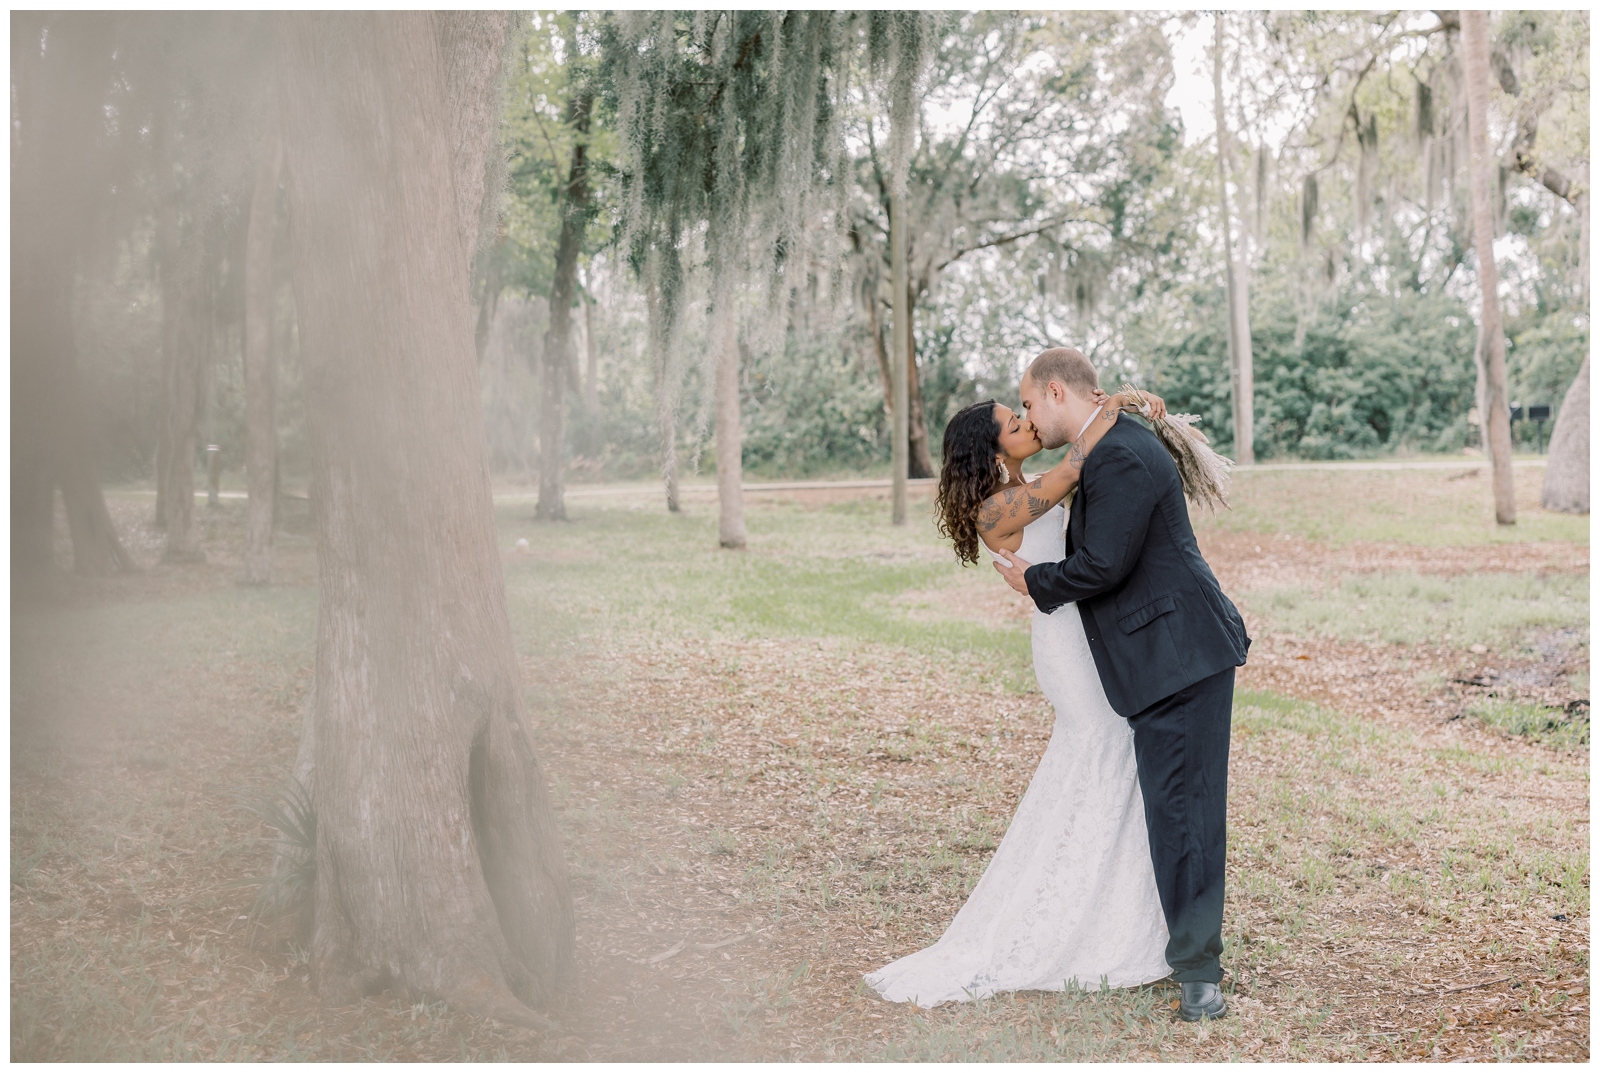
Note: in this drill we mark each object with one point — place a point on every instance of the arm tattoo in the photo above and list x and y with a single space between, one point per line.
1037 505
1075 456
1007 505
1109 415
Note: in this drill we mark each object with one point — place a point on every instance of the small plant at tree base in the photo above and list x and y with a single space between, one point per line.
285 892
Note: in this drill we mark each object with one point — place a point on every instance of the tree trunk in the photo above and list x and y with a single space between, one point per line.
492 286
261 366
53 427
439 869
54 113
552 504
730 439
163 430
33 486
1480 393
181 310
919 464
666 390
899 455
1241 360
591 371
182 313
920 461
1497 416
96 551
880 351
1566 474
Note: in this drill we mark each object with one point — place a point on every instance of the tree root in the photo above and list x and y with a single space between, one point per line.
491 999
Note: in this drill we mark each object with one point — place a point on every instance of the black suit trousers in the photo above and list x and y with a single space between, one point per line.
1180 744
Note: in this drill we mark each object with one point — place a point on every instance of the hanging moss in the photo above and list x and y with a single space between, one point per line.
732 159
1366 169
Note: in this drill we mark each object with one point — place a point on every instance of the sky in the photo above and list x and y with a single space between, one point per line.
1191 84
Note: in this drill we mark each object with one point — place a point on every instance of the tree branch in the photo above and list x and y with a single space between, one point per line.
1004 240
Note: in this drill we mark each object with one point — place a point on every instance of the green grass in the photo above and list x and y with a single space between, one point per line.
1500 610
1537 722
816 572
1405 506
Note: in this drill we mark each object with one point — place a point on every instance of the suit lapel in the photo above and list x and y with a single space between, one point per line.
1075 513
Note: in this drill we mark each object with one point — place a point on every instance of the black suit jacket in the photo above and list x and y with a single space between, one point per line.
1156 618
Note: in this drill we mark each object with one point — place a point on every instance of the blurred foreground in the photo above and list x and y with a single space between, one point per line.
780 768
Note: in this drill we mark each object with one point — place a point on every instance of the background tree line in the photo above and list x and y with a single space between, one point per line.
1053 199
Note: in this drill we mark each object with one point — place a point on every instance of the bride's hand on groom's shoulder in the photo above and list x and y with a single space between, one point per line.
1014 569
1158 406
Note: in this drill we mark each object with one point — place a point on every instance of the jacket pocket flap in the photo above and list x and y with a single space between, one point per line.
1148 613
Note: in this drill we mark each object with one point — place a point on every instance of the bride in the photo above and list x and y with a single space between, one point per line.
1069 898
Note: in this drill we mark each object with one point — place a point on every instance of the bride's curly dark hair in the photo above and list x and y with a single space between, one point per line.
968 476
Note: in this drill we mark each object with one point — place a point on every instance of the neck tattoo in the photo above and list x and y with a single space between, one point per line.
1087 423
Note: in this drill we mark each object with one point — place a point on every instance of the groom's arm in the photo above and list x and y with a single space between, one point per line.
1124 501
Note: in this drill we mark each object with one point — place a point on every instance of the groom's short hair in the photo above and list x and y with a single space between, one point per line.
1068 366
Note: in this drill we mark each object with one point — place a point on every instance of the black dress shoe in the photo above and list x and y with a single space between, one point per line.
1201 1001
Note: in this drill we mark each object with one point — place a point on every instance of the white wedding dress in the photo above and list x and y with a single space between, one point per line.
1070 894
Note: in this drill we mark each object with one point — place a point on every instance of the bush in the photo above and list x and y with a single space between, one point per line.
1379 373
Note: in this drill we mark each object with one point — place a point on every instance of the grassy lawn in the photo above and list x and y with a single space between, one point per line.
1428 506
781 768
1505 611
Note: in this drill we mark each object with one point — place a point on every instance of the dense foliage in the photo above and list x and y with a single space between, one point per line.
1060 193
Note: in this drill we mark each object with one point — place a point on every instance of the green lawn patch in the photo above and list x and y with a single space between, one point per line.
1500 610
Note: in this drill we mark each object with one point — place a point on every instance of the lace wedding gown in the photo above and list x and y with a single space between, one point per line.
1070 894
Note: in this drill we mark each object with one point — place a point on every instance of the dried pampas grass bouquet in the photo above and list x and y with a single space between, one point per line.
1204 472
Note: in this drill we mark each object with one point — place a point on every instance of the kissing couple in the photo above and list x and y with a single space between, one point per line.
1111 873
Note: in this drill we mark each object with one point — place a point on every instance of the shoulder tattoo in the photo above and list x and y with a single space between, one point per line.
989 514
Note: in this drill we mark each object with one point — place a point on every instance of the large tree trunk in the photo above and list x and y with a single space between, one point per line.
552 504
1566 474
1241 359
261 366
53 427
33 486
54 117
730 438
96 551
439 869
1497 415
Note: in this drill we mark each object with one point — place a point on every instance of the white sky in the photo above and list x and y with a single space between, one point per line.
1190 94
1191 85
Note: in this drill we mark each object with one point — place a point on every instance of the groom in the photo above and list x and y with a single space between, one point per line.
1165 641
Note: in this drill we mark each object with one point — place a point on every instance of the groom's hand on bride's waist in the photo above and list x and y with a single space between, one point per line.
1015 573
